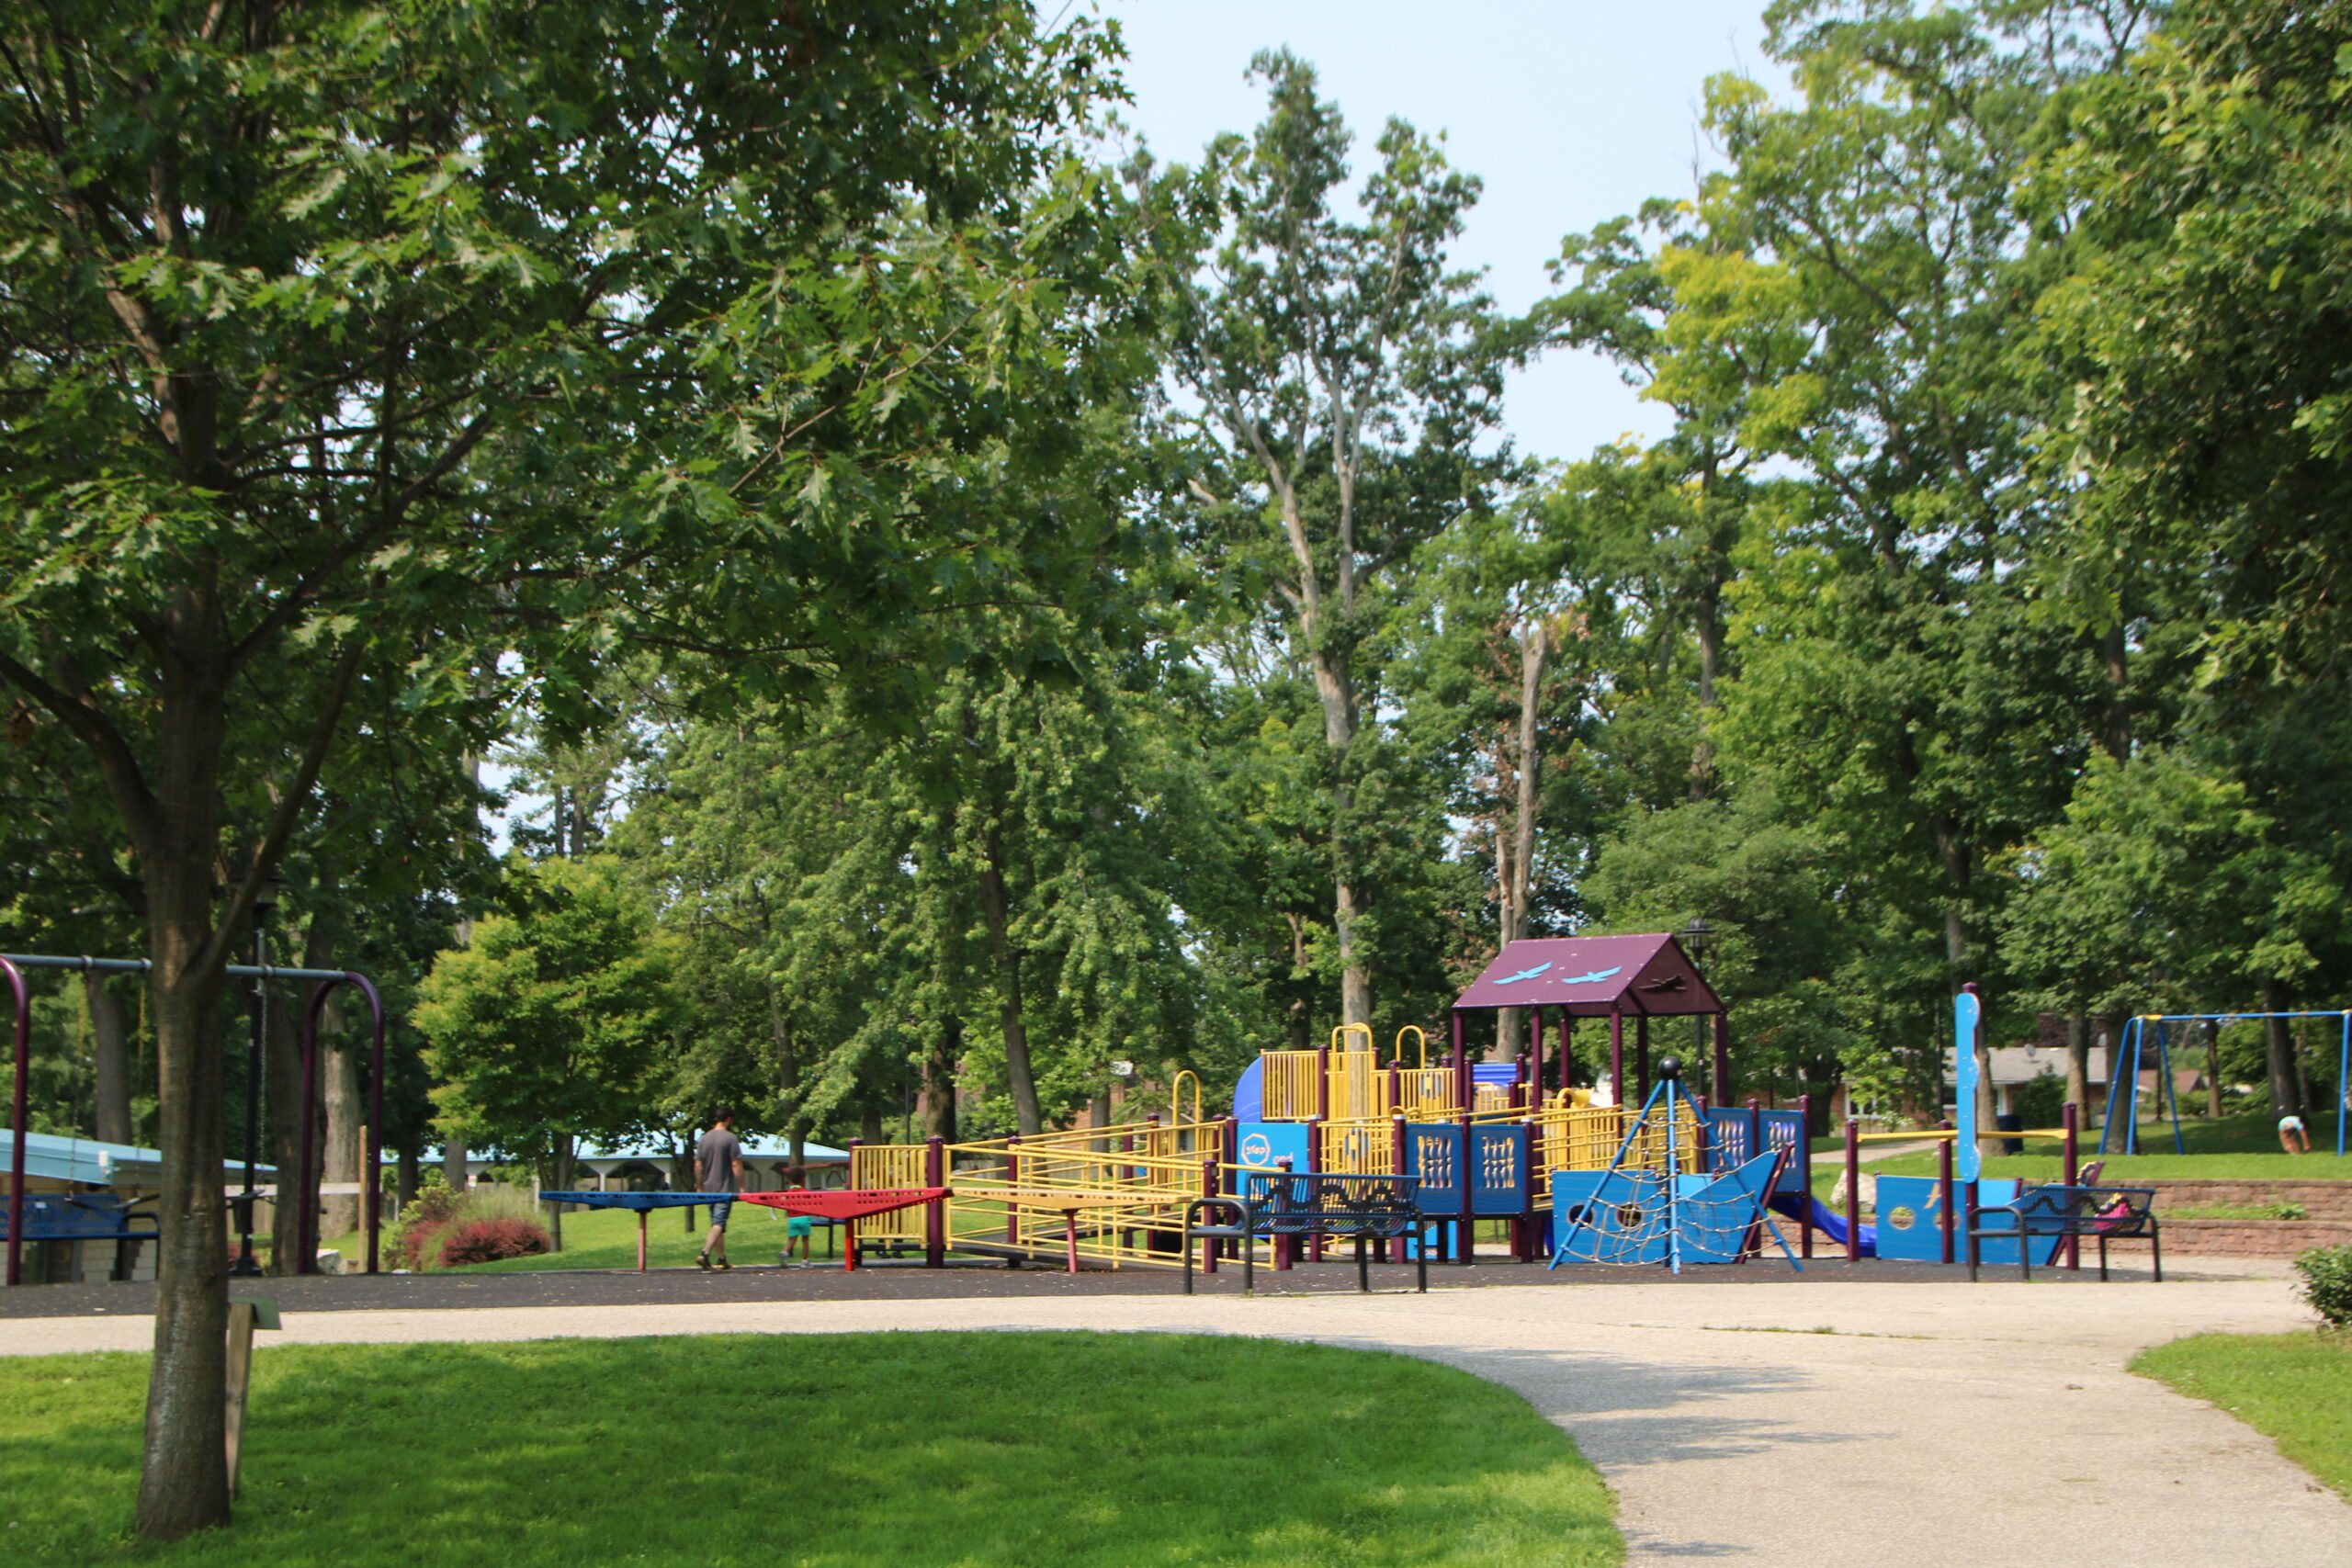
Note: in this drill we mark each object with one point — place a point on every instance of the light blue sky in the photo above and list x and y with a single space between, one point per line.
1572 112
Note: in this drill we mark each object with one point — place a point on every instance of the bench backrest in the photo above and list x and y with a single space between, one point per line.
2057 1208
1307 1203
78 1216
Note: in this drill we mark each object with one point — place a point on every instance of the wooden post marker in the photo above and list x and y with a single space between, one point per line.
245 1315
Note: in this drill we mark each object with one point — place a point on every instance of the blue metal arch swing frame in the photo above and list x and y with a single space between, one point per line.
2135 1042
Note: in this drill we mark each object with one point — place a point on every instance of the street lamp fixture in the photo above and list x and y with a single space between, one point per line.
265 899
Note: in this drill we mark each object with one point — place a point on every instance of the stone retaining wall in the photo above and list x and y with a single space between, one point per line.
2250 1239
2320 1199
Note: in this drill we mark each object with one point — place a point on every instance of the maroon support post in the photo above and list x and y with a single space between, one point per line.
1012 1179
1535 1017
1527 1233
1642 1058
1617 1055
1468 1244
1802 1154
1853 1190
1943 1189
1209 1190
1285 1245
1397 1164
1322 1083
2071 1119
305 1197
19 1114
934 1214
1461 1068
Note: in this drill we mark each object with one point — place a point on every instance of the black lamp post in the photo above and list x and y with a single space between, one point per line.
265 899
1697 937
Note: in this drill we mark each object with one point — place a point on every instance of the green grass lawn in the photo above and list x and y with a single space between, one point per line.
2294 1388
917 1450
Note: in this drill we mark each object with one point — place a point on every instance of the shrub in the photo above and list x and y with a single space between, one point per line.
2289 1212
488 1240
2327 1282
422 1223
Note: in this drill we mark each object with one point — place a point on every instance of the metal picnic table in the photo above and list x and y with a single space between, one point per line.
643 1203
849 1204
1067 1203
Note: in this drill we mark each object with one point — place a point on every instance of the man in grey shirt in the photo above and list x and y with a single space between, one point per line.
719 1168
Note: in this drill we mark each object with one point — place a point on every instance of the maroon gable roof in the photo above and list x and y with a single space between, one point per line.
1594 975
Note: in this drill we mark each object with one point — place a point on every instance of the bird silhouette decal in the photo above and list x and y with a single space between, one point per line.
1597 976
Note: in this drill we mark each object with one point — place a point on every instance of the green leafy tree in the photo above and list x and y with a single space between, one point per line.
551 1026
332 335
1342 379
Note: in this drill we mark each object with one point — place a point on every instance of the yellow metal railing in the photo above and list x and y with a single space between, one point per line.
1358 1086
1289 1081
1427 1094
1126 1186
1357 1148
1422 1052
888 1164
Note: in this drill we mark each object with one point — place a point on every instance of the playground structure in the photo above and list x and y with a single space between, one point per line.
1480 1141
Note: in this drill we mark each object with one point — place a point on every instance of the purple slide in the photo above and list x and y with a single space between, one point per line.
1827 1220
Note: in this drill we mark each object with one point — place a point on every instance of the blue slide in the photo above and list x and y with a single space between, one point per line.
1827 1220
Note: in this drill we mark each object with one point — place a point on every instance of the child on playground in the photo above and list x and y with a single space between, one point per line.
2291 1136
797 1229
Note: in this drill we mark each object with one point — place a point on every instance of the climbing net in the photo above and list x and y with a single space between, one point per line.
1628 1217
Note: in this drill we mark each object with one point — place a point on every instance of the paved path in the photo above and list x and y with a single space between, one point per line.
1821 1424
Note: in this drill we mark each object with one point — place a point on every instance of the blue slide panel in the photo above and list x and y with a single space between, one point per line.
1910 1220
1263 1143
1250 1093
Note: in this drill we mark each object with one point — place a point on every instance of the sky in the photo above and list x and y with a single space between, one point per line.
1573 112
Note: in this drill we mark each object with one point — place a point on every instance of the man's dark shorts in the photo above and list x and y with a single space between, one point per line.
719 1212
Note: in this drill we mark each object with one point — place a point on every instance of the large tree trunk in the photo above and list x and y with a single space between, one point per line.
1335 689
282 1073
939 1079
2286 1098
996 906
110 1057
2078 1067
183 1477
2213 1068
2115 705
1517 867
1710 627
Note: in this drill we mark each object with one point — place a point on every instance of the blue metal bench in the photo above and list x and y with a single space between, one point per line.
2057 1210
1367 1208
84 1216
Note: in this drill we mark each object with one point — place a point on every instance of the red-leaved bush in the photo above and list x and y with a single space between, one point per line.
419 1232
487 1241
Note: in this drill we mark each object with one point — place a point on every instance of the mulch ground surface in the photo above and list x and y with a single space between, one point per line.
439 1291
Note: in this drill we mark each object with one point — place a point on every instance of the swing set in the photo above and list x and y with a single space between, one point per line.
2132 1050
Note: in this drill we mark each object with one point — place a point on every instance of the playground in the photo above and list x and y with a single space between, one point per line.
1677 1294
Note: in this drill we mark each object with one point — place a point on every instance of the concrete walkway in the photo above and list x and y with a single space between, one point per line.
1819 1424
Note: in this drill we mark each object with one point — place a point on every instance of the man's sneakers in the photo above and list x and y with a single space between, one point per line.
702 1261
724 1264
